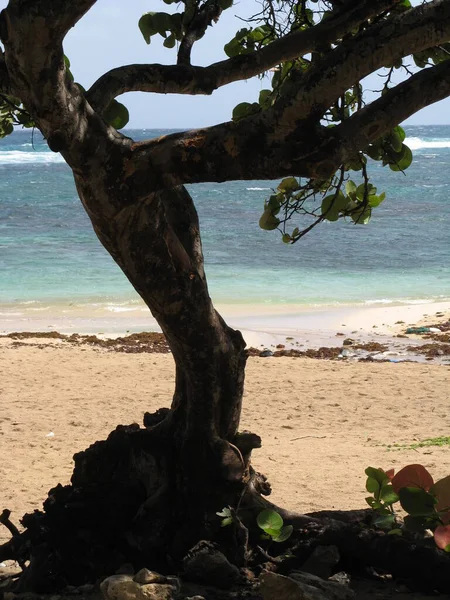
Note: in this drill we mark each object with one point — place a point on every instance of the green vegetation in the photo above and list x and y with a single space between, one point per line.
426 503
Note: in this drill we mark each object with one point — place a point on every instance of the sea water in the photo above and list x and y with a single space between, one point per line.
50 256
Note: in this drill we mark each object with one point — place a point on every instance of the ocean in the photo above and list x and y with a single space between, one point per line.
50 257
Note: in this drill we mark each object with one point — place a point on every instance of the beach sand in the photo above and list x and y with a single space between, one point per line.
322 422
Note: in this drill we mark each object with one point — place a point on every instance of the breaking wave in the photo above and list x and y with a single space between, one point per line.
17 157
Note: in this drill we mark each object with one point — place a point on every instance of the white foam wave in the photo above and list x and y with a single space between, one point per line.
256 189
380 301
416 143
16 157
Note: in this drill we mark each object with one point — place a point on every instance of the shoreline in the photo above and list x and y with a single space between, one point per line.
288 328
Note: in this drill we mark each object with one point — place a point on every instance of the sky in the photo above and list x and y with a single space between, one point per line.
108 36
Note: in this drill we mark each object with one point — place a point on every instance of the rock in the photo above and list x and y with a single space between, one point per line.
342 577
348 342
87 588
322 561
145 576
206 564
266 353
332 589
277 587
281 346
123 587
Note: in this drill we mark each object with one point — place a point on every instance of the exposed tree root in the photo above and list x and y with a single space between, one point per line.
125 504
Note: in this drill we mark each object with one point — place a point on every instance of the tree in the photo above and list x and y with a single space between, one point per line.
313 124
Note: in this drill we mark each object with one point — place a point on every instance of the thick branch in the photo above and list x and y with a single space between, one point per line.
382 44
248 149
183 79
60 15
4 76
399 103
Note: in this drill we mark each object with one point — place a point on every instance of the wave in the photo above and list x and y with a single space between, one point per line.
416 143
257 189
16 157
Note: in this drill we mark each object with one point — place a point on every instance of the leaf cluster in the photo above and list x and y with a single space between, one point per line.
174 26
426 503
338 197
273 527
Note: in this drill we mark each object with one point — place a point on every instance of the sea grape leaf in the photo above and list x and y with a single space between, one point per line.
417 502
384 521
289 184
284 533
116 114
442 537
388 496
412 476
441 489
269 519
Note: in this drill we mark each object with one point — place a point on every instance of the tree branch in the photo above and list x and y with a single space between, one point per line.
210 11
418 29
60 15
230 151
4 76
183 79
396 105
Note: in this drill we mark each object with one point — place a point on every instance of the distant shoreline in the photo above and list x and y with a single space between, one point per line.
292 326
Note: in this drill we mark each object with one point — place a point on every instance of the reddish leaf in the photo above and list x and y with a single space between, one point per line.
390 474
415 476
441 489
445 518
442 537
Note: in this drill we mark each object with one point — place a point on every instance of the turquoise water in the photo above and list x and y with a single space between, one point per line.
49 254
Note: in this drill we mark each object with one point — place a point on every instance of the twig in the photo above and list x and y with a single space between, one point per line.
4 520
303 437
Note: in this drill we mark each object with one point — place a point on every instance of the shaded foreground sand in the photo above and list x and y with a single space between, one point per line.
322 422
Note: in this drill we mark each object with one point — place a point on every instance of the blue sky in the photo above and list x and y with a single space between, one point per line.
108 36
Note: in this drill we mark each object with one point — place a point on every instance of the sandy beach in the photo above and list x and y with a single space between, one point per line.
322 422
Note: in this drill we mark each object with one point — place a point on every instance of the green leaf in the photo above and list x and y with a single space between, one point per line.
227 521
332 205
225 512
224 4
244 109
384 521
400 161
361 217
269 519
265 99
373 486
170 41
274 204
268 221
395 141
417 502
289 184
286 238
395 531
350 187
375 201
116 115
387 495
416 524
147 27
283 534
